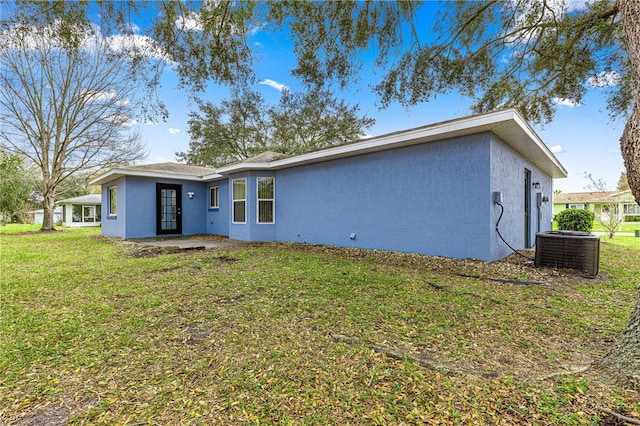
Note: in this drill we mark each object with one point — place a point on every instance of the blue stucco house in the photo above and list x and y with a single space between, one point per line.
432 190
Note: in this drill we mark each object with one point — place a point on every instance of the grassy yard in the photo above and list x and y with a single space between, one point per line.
624 227
100 331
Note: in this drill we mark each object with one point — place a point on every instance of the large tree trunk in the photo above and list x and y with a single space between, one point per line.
630 146
49 194
622 363
630 140
48 216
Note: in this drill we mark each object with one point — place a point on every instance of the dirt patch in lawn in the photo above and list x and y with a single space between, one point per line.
55 414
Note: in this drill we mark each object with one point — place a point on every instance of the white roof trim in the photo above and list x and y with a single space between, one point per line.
508 125
114 174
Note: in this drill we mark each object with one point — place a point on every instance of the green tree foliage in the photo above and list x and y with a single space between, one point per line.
575 220
309 121
15 185
526 54
245 125
623 183
228 133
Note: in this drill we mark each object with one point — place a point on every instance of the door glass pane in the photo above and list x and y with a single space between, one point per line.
168 209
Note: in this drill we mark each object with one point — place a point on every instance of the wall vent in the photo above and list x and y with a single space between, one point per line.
568 249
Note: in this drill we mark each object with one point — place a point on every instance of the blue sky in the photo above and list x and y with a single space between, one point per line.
583 137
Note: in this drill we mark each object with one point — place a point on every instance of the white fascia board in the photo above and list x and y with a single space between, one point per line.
507 124
114 174
440 131
212 177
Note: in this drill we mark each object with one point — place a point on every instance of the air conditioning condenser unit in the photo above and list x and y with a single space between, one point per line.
568 249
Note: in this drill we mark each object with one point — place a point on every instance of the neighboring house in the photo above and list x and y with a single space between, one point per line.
601 203
80 211
38 216
429 190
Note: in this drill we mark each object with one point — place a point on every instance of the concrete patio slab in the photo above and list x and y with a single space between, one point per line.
191 242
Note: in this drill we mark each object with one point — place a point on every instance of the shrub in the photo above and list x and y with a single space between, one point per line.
575 220
632 218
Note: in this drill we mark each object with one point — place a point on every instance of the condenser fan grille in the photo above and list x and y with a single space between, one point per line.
568 249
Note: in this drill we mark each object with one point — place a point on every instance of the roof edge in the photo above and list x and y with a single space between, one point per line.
114 174
478 123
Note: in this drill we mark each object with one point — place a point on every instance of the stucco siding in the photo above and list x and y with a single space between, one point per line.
136 198
508 175
114 226
251 230
194 218
218 218
428 199
141 207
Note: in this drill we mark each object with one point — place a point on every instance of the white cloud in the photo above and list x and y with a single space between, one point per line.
556 149
137 44
173 131
553 9
95 96
566 102
91 37
605 79
122 120
190 22
274 84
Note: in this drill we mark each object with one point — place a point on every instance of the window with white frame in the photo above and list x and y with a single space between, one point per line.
266 199
576 206
85 214
113 200
239 197
214 197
